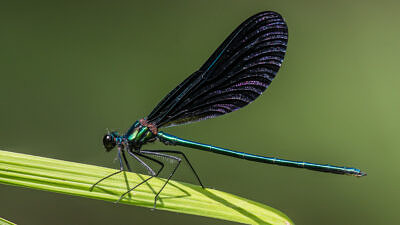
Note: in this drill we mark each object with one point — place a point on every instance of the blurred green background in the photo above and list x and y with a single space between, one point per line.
69 70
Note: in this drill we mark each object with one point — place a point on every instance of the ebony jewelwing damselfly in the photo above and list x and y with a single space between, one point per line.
235 75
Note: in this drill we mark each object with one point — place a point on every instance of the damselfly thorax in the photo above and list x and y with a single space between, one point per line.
140 133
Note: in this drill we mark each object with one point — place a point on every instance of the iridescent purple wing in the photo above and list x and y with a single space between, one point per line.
235 74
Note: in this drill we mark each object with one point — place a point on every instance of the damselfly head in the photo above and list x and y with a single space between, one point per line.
109 141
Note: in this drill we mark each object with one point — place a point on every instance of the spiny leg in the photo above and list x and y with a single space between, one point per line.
148 168
126 162
169 177
186 159
144 164
121 168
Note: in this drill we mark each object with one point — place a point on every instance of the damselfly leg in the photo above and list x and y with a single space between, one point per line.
135 155
121 168
150 154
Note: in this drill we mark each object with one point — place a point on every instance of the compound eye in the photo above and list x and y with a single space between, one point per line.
108 142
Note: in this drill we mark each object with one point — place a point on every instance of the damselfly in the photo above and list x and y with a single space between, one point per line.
235 75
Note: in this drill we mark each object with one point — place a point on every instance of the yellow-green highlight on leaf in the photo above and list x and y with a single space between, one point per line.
76 179
5 222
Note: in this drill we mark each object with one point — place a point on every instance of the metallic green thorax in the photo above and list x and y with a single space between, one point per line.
139 135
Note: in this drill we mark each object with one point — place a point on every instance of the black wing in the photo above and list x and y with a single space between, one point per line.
235 74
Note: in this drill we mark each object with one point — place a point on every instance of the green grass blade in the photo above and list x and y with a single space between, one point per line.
76 179
5 222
